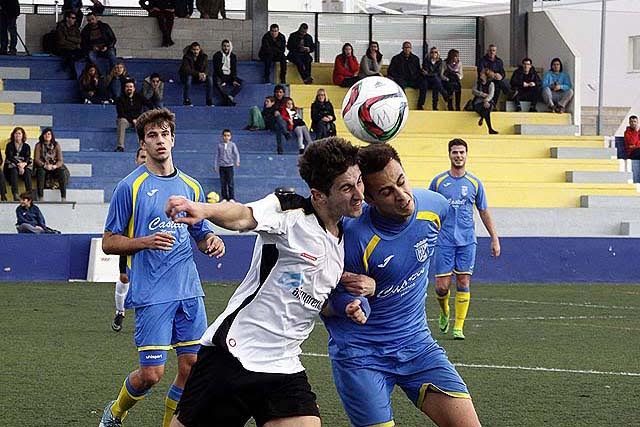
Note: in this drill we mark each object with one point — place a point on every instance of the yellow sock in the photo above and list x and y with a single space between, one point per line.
462 306
170 406
127 397
443 300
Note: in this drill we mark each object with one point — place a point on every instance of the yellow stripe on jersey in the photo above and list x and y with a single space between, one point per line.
369 250
439 181
427 386
429 216
186 343
473 181
385 424
135 188
191 183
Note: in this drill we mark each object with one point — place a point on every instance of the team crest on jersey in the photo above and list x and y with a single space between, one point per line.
464 190
422 252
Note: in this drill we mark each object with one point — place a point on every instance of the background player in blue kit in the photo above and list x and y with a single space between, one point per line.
457 245
167 295
380 338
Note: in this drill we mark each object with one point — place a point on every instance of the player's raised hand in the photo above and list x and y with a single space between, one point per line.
355 313
161 241
193 212
358 284
214 246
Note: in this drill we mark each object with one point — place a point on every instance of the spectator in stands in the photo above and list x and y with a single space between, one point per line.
225 158
75 6
432 69
195 70
225 69
269 118
98 40
29 217
129 106
18 163
492 62
165 12
153 91
323 116
632 139
556 87
8 30
272 50
210 9
406 72
293 118
371 62
525 84
91 84
451 77
301 46
3 185
483 93
184 8
279 95
68 43
346 67
115 80
49 163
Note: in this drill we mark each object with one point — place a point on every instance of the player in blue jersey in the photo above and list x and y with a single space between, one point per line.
167 295
380 338
456 252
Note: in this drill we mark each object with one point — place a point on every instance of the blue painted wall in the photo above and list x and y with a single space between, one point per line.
524 259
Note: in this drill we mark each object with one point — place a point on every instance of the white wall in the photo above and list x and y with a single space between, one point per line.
496 31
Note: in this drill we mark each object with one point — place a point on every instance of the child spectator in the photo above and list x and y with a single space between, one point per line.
29 217
91 84
18 161
226 156
452 78
49 164
484 94
115 81
165 13
556 87
294 121
153 91
323 116
371 62
346 67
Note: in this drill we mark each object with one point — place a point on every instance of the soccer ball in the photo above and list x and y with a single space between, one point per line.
213 197
375 109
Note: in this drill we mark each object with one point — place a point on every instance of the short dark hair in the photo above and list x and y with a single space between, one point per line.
68 13
375 157
91 14
156 117
303 26
194 44
630 117
225 131
129 80
558 61
279 87
270 98
155 76
527 59
458 141
26 195
326 159
225 41
274 27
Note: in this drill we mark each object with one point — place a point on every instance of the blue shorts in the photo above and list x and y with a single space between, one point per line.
455 259
174 324
365 389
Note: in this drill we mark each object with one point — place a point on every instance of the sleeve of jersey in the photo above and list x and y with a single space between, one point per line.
200 230
269 216
120 210
481 198
432 186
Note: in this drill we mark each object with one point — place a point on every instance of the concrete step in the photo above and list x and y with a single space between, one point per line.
630 228
545 129
599 177
66 217
79 169
582 153
20 96
25 120
614 202
14 73
73 195
68 144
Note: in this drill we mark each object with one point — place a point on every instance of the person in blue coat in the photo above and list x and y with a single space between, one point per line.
556 87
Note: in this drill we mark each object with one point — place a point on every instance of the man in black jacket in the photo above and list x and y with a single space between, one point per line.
271 50
526 85
405 70
492 62
98 39
301 46
8 15
225 69
165 12
195 69
129 106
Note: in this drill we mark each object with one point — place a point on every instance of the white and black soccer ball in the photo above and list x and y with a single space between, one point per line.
375 109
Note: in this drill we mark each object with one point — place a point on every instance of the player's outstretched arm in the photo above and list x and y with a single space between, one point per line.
485 216
212 245
116 244
229 215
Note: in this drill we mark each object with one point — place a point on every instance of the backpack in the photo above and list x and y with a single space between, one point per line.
49 42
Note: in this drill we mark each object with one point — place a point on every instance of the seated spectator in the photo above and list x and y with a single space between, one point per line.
556 87
632 139
225 69
452 78
294 121
184 8
9 13
346 67
3 185
406 72
98 40
371 62
432 68
68 43
195 70
75 6
525 84
165 12
279 95
301 46
153 91
29 217
18 163
256 119
269 118
483 93
210 9
49 163
492 62
129 106
91 85
323 116
114 81
272 50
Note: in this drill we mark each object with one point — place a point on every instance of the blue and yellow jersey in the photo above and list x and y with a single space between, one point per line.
399 263
137 210
462 193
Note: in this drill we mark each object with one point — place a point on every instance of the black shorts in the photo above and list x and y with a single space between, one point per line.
220 392
123 264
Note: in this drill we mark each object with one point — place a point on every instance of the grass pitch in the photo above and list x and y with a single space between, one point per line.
561 355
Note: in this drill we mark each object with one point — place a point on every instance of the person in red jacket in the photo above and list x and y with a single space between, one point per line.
293 117
632 139
346 67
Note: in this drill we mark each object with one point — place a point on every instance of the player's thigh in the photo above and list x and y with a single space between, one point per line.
365 393
465 259
190 323
445 256
153 332
294 422
446 410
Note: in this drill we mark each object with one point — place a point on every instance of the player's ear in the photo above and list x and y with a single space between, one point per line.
318 196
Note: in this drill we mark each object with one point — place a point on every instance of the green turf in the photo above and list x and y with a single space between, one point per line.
61 362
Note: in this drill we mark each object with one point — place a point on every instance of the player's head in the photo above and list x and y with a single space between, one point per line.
330 168
458 153
156 132
386 185
141 156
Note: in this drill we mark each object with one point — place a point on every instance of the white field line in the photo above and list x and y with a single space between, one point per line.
568 304
542 318
522 368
